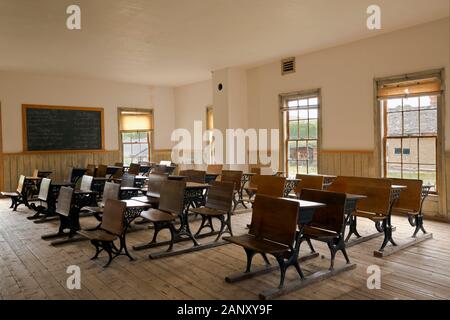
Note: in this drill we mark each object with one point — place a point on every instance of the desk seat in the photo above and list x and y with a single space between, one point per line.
9 194
319 233
369 215
208 211
259 245
100 235
156 215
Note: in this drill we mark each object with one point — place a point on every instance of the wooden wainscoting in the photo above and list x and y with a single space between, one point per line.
161 155
24 163
348 163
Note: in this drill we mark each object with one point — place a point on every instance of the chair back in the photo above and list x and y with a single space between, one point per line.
377 191
111 191
271 186
158 169
155 182
220 196
101 171
194 175
64 201
35 173
127 180
86 183
214 168
275 219
90 170
118 174
114 216
308 181
331 217
255 170
411 197
21 184
69 175
44 188
172 196
134 169
118 164
232 176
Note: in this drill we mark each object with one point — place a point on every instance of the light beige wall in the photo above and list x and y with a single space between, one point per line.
345 74
191 102
27 88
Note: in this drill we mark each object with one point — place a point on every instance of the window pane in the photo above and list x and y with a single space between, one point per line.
427 147
292 150
313 101
303 103
293 103
303 167
312 157
393 150
313 129
410 151
428 121
313 113
394 124
302 151
410 171
126 137
292 170
393 170
312 167
428 175
411 122
425 102
293 130
293 115
303 114
411 104
394 105
303 129
143 137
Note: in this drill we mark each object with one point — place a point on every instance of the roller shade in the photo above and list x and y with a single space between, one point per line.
209 119
409 88
136 121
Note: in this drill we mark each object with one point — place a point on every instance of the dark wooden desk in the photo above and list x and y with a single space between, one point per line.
80 199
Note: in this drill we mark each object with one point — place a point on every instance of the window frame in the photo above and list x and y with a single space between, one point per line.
284 124
404 136
150 133
439 74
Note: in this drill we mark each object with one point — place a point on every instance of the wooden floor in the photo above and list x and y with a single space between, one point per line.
32 269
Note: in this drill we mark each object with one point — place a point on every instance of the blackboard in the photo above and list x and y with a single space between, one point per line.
49 128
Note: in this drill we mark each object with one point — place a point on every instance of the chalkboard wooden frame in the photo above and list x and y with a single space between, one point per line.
26 107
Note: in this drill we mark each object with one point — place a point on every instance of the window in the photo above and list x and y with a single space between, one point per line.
210 126
410 136
301 115
135 134
135 147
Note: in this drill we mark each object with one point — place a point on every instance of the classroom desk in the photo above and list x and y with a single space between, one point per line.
44 214
77 173
194 196
211 177
246 176
80 199
305 216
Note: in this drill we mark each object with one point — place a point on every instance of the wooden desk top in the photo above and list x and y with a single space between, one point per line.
136 204
309 204
196 185
398 187
355 196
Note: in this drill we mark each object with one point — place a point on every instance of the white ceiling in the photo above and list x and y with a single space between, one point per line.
175 42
